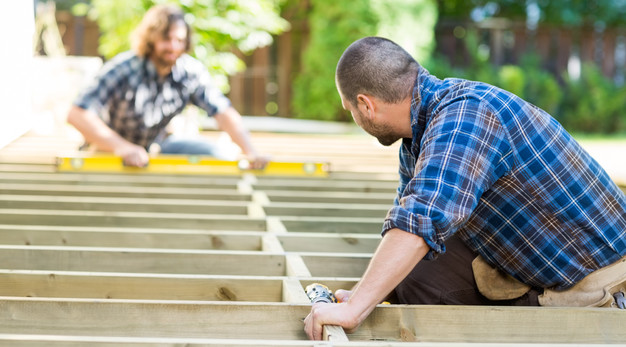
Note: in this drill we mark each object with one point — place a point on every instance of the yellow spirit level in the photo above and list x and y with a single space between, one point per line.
186 164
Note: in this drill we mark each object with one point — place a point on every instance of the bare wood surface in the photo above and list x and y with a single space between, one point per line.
141 318
137 260
123 204
130 219
45 235
223 260
100 285
114 191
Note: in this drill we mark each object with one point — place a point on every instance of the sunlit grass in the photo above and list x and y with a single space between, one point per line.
587 137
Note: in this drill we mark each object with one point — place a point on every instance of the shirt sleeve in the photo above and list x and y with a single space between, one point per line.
461 155
97 94
205 93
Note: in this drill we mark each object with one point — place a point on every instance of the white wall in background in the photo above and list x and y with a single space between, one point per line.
17 25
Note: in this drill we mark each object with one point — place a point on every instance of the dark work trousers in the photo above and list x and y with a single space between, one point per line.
449 280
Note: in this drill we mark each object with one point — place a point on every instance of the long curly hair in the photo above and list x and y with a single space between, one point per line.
156 24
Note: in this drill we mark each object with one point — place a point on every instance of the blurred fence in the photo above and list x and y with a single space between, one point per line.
264 88
559 48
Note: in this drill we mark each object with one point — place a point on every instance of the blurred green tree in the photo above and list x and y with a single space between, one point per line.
334 25
219 28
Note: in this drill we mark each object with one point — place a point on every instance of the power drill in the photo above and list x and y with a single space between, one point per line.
320 293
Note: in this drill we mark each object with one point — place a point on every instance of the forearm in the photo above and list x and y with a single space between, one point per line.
95 131
231 122
396 256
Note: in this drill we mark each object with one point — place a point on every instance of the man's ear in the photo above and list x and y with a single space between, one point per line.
367 104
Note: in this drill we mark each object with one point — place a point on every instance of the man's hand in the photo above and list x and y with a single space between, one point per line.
342 314
396 255
258 162
343 295
133 155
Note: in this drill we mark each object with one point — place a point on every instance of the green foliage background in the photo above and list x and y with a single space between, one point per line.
591 103
219 27
334 26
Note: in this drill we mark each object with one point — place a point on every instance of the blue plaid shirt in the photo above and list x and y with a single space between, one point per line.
506 176
136 103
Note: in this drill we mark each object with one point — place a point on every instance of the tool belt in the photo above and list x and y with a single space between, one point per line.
605 287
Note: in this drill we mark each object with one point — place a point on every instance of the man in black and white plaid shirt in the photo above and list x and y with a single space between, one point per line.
137 93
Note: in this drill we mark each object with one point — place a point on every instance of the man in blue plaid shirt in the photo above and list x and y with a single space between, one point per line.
502 201
137 93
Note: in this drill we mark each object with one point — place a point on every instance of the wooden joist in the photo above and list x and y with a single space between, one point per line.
125 237
131 219
281 321
130 191
142 260
89 259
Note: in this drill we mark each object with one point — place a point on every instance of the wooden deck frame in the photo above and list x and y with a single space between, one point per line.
302 228
223 320
125 237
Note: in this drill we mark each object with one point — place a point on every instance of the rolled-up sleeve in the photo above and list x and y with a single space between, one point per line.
461 154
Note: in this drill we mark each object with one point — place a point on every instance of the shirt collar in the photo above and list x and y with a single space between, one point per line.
176 74
423 101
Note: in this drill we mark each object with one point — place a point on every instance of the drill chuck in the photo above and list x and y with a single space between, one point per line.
320 293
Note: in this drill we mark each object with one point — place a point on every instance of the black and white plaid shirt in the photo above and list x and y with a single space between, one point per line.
135 102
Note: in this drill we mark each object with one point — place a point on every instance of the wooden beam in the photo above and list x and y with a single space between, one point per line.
142 318
131 219
25 167
20 340
296 267
334 185
326 210
328 242
331 197
201 319
135 180
44 235
293 292
128 204
113 191
327 265
100 285
332 224
136 260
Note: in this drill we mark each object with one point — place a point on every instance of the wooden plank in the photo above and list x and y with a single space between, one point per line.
113 191
353 185
332 243
137 180
44 235
124 318
100 341
131 219
295 266
25 167
332 224
293 292
326 209
271 244
135 260
326 265
64 284
331 197
123 204
167 319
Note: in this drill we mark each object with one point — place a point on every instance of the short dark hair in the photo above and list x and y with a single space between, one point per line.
157 22
378 67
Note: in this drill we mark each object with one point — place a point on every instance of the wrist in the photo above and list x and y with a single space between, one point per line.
360 307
